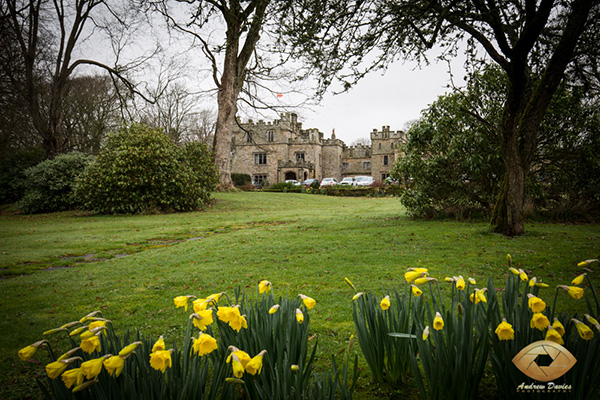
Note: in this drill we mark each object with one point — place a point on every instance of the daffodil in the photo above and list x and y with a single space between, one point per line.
200 305
254 366
578 280
93 367
558 327
299 316
509 260
514 271
98 323
241 355
416 291
532 281
477 296
56 368
71 324
295 368
539 321
420 281
593 321
350 284
586 263
308 301
472 281
89 317
114 365
264 286
541 285
385 303
460 282
535 303
505 331
27 352
127 350
160 360
73 377
584 331
573 291
357 295
228 314
54 331
438 322
238 368
91 344
238 323
78 331
182 301
274 309
159 345
93 331
415 273
202 319
449 279
205 344
214 298
68 354
84 386
523 275
553 335
426 333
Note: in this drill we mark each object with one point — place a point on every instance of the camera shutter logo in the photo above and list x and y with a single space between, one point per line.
562 360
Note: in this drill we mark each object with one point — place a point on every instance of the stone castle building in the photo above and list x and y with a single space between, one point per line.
280 150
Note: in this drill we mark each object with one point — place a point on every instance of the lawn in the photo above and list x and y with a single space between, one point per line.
59 267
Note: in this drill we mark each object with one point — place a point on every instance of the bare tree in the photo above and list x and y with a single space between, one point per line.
361 141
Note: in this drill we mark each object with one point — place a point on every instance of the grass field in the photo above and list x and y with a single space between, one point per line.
59 267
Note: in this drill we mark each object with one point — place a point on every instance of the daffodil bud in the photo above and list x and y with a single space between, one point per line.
295 368
69 354
71 324
350 284
509 260
84 386
357 295
89 317
53 331
234 381
274 309
460 309
78 331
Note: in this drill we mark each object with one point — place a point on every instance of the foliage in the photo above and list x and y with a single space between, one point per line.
280 369
241 179
142 170
12 173
50 185
283 185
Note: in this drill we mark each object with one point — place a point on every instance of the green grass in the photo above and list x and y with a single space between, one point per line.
59 267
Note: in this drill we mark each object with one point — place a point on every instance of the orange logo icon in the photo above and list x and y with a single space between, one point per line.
562 360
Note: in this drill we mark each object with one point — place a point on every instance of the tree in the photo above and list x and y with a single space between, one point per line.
45 37
533 42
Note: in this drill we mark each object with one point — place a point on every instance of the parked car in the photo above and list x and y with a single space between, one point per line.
329 182
308 182
293 181
364 180
348 181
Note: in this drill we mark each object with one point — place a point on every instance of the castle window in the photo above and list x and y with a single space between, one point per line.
384 176
392 145
345 165
367 164
386 160
248 137
258 180
260 158
270 136
379 146
299 157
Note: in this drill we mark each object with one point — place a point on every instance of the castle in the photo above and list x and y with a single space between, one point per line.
280 150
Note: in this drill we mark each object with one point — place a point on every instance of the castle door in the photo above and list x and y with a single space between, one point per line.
290 175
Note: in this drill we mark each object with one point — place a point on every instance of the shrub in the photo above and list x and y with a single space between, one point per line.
283 185
12 173
241 179
51 183
142 170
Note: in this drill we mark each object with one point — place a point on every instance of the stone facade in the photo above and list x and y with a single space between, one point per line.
280 150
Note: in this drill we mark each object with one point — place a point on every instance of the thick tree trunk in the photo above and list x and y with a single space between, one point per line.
223 135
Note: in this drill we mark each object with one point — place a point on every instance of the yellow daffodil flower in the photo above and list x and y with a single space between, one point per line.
56 368
98 324
181 301
114 365
385 303
78 331
539 321
205 344
274 309
93 367
89 317
27 352
54 331
532 281
241 355
254 366
202 319
426 333
505 331
264 286
228 314
214 298
514 271
449 280
415 273
535 303
584 331
68 354
238 368
523 275
92 332
357 295
472 281
438 322
295 368
586 263
72 377
308 301
558 327
478 296
84 386
159 345
239 323
71 324
91 344
460 283
420 281
160 360
416 291
541 285
350 284
573 291
509 260
200 305
593 321
553 335
299 316
127 350
578 280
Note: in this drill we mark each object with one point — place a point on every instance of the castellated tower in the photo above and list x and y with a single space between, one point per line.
386 149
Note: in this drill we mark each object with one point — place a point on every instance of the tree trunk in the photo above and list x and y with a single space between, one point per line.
223 135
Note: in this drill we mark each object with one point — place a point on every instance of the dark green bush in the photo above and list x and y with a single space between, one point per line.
283 185
241 179
141 170
51 183
12 173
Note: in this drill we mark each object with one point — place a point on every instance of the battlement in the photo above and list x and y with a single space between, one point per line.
386 133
